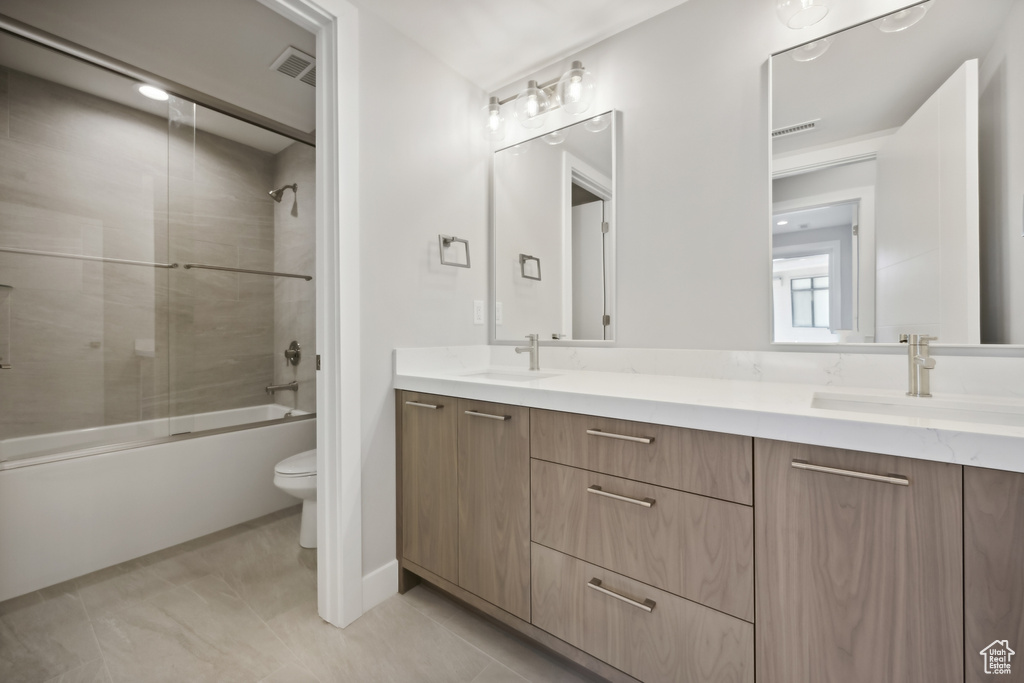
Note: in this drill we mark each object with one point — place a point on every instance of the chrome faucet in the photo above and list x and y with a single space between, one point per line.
919 363
534 350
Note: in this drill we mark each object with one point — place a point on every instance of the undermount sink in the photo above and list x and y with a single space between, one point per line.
509 375
963 409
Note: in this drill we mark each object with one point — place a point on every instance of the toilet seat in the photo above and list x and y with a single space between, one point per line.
301 465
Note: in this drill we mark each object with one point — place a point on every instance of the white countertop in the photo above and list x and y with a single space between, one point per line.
771 410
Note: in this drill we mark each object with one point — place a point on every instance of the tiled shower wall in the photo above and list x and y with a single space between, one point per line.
294 252
96 344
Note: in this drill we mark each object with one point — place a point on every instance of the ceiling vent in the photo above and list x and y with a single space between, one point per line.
805 127
296 64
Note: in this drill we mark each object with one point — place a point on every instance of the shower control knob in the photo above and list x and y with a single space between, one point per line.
293 354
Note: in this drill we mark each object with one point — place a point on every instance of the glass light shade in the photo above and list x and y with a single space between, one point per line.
494 122
598 123
519 150
531 105
802 13
575 90
555 138
811 51
902 20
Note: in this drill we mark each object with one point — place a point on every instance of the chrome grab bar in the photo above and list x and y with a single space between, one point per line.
291 386
642 502
647 605
897 479
432 406
203 266
489 417
621 437
81 257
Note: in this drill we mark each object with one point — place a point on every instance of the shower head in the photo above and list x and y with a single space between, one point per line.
278 193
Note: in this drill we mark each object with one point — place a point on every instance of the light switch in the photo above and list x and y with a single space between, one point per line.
478 312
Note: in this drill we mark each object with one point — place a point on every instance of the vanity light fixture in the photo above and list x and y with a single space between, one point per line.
797 14
902 20
531 106
494 129
811 51
573 91
598 123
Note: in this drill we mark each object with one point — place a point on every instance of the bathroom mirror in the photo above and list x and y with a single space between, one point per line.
897 153
553 201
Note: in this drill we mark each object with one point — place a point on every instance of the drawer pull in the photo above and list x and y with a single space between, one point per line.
897 479
647 605
621 437
643 502
489 417
424 405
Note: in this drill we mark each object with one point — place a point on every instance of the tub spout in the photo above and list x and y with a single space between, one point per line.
291 386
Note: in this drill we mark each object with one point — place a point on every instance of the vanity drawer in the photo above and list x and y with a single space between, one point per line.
676 640
694 546
708 463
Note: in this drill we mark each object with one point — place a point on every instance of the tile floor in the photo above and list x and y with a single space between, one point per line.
239 606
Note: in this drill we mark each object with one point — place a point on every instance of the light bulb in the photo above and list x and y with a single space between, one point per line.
494 122
575 90
811 51
902 20
802 13
531 105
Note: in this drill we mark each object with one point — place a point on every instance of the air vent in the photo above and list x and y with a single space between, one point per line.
806 127
296 64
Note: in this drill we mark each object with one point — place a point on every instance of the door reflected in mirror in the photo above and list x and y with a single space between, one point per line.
897 176
554 235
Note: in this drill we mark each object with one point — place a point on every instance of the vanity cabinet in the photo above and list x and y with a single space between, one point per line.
465 496
859 566
494 504
993 569
429 477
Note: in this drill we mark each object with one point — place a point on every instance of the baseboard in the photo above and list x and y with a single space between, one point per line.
379 585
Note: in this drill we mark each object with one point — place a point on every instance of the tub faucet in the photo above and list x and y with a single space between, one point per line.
533 349
919 363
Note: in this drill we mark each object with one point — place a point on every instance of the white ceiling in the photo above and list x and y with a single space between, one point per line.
869 81
493 42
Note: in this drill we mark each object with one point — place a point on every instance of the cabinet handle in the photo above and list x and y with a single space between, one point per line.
647 605
489 417
424 405
643 502
897 479
621 437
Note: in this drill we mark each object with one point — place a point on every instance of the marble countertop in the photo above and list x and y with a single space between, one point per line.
771 410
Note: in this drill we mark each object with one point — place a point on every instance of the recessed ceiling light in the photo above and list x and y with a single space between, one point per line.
153 93
782 223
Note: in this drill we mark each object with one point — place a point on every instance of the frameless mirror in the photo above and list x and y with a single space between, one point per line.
553 223
898 178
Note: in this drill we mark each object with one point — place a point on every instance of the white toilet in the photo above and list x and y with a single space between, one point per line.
297 476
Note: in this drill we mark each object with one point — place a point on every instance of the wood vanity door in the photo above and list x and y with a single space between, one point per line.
494 504
430 513
993 569
857 581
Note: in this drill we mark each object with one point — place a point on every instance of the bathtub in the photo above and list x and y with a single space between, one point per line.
69 506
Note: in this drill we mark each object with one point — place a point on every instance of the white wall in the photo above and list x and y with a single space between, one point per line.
692 84
423 171
1002 184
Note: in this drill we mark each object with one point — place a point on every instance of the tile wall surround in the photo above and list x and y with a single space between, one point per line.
975 375
81 174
